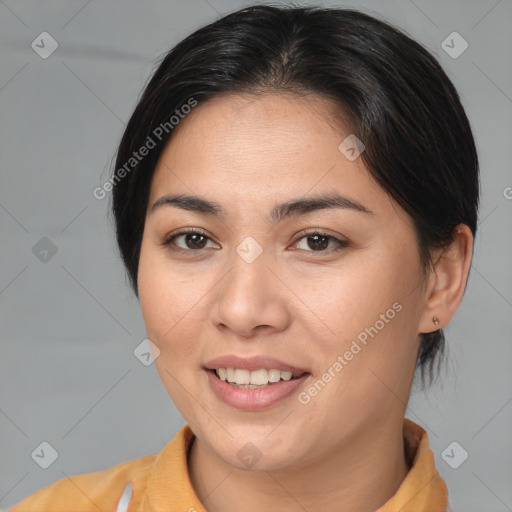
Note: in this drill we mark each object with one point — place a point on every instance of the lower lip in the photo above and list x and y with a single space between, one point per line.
257 398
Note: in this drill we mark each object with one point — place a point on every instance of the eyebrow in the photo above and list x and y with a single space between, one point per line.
294 207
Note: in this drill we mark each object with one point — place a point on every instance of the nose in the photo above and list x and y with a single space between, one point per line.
251 299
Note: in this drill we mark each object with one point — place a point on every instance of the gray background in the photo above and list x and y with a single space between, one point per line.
70 324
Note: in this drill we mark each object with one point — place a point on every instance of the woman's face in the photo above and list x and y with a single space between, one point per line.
343 306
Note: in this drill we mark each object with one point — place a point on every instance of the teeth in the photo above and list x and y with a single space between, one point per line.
286 375
260 377
242 377
274 375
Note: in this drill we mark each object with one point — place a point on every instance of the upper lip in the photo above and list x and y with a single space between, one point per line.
253 363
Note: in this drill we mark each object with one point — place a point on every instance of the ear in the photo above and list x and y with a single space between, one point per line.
447 280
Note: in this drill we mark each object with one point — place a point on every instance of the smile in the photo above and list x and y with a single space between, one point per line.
240 389
241 377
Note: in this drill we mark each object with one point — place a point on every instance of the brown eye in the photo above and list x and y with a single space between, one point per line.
192 240
319 242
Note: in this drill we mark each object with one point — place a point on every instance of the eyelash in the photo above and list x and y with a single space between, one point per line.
341 244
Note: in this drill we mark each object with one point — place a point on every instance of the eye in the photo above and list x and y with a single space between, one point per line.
192 240
319 241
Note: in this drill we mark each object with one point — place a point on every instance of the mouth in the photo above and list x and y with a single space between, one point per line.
255 379
255 390
254 383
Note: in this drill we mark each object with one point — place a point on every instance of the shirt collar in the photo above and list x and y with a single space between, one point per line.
423 489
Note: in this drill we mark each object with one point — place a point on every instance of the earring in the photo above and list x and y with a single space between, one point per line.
435 320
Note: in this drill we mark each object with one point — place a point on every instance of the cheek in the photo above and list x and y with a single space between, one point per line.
169 304
350 298
371 309
170 310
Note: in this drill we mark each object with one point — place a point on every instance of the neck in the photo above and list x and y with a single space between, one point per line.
358 476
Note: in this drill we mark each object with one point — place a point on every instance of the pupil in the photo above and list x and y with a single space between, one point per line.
193 236
316 237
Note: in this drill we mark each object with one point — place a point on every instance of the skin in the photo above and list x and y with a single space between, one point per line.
344 449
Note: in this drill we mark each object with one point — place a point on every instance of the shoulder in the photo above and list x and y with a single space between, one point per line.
158 481
99 490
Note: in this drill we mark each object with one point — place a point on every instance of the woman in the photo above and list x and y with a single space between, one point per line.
295 198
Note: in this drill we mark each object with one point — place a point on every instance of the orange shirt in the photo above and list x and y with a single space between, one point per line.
160 482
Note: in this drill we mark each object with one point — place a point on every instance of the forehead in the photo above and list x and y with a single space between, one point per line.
262 148
258 123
